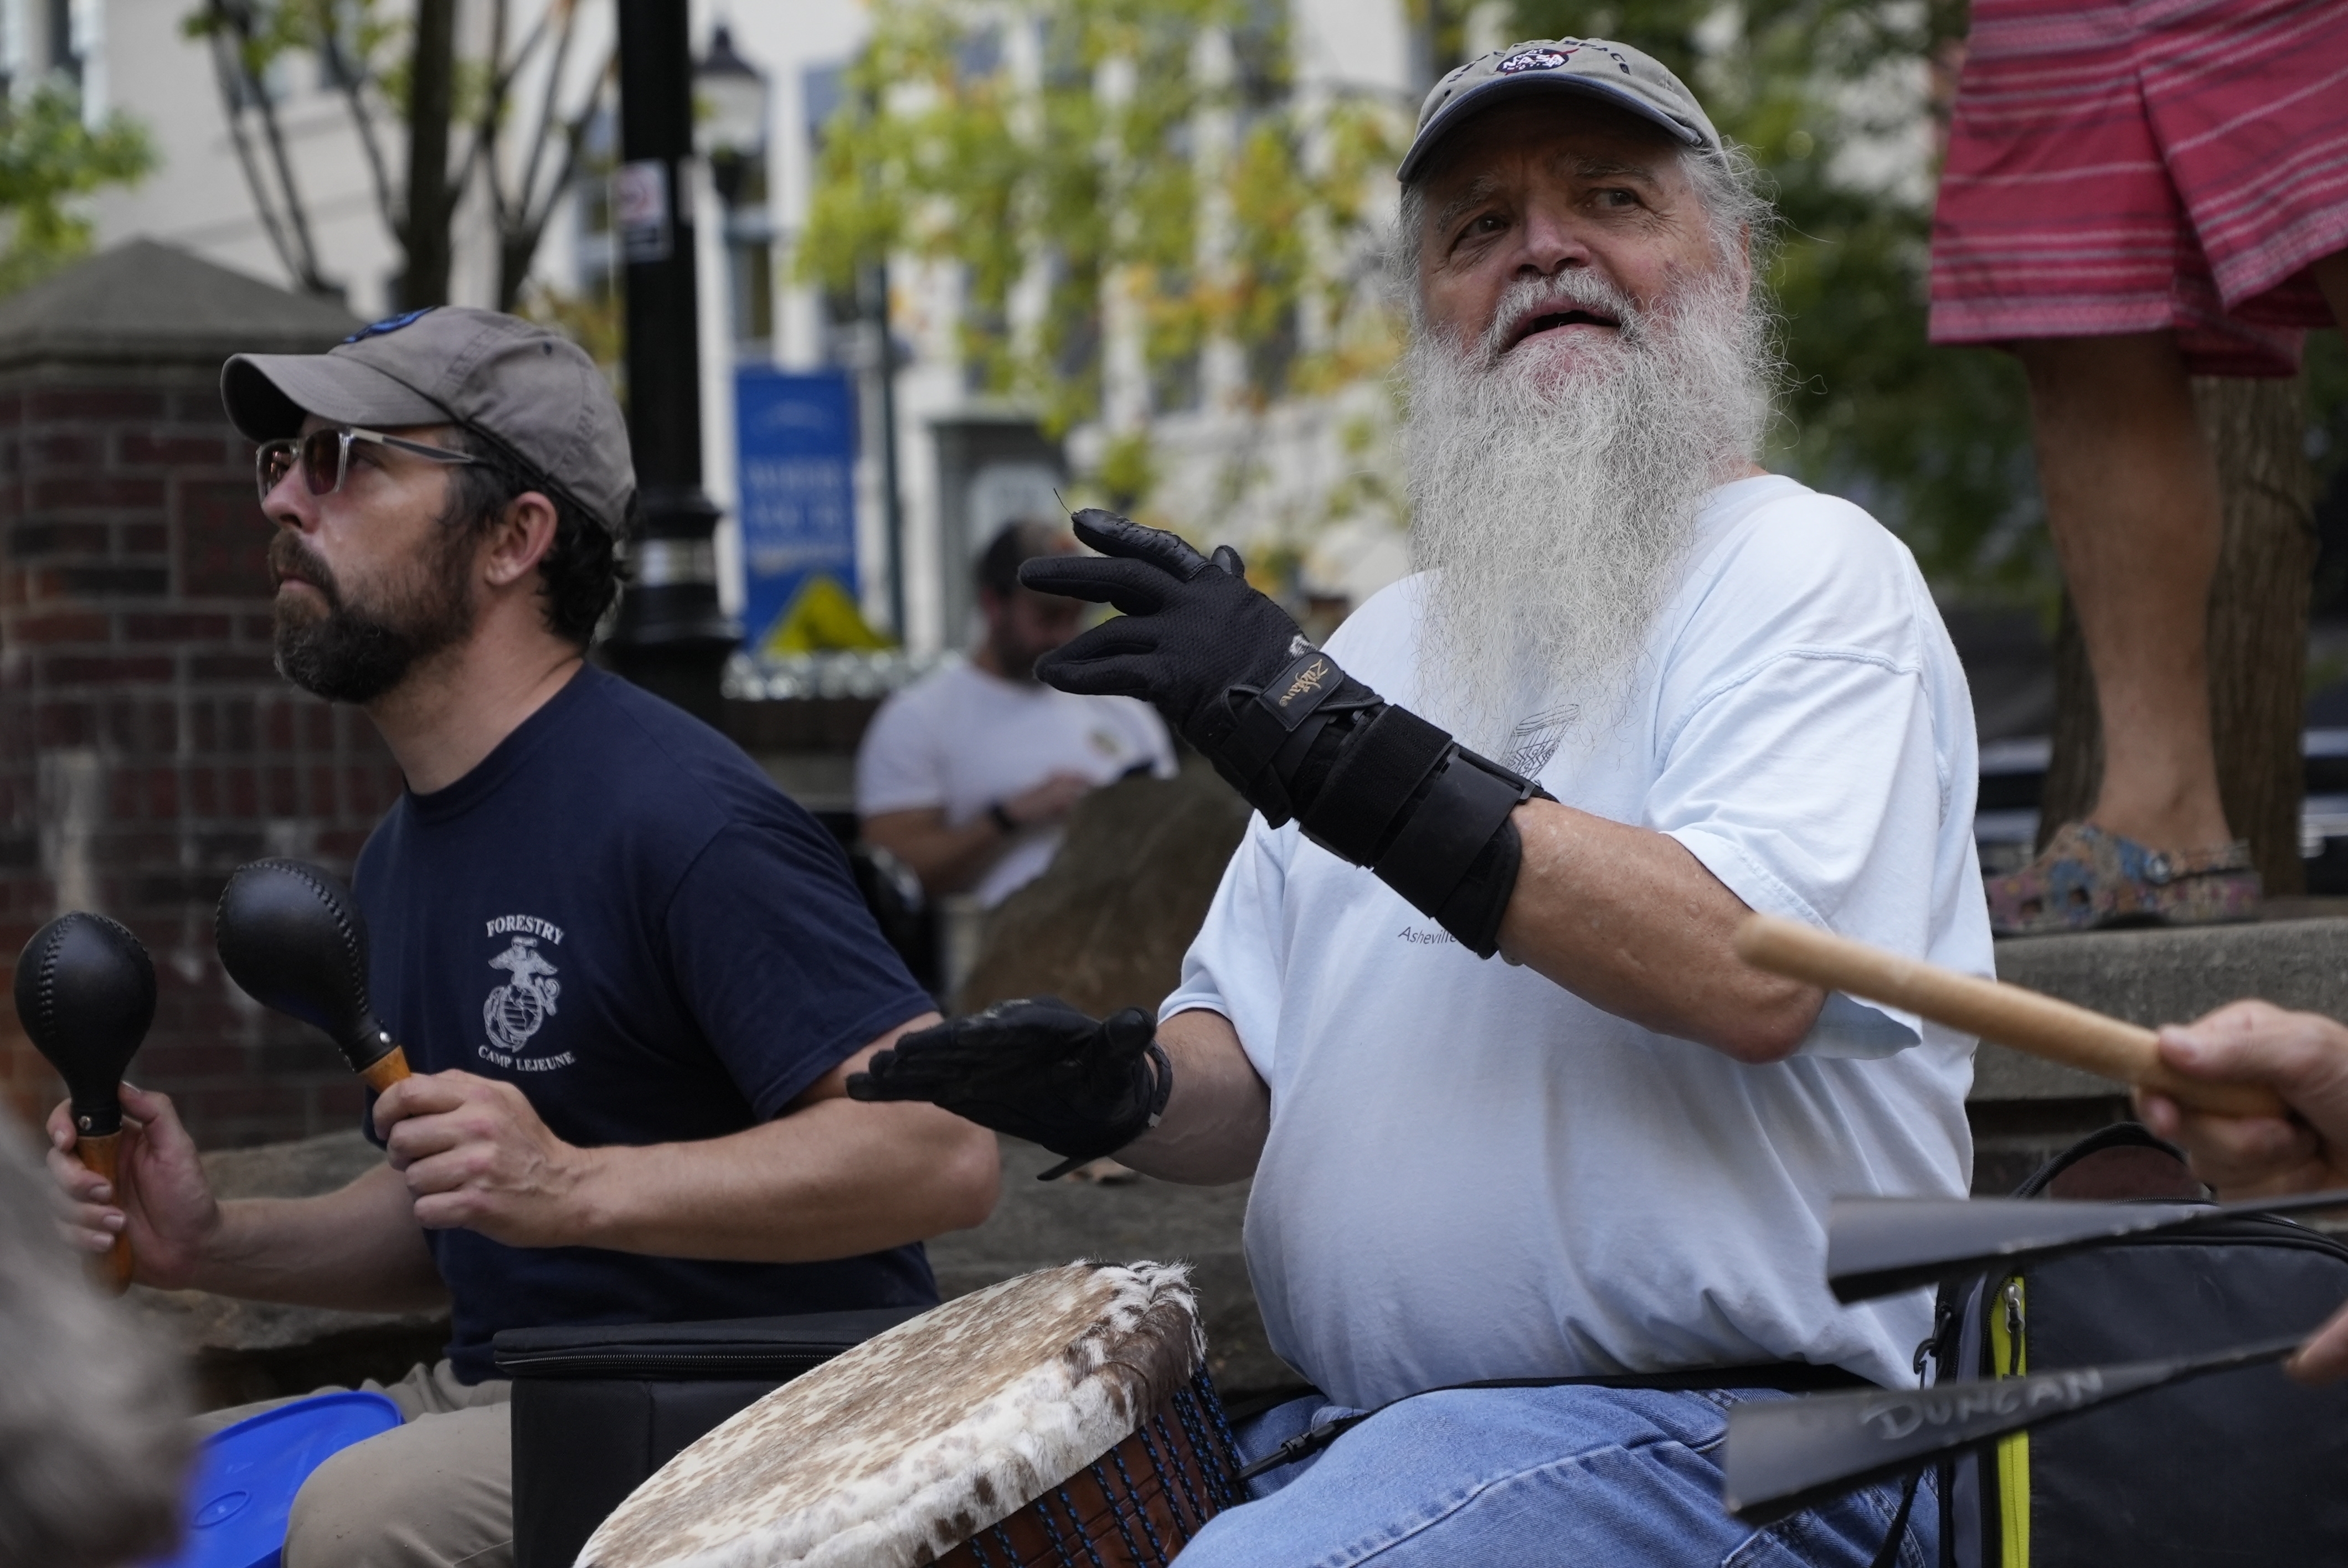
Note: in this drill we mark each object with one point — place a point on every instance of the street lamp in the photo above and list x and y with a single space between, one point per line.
733 99
672 638
730 129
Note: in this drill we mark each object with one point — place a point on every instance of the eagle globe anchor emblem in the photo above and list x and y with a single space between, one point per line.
515 1010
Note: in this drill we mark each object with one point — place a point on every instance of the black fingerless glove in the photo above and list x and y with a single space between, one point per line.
1370 782
1036 1068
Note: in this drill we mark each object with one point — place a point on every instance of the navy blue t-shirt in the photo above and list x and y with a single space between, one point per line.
618 913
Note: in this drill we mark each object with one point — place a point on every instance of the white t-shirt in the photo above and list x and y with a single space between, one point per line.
1471 1172
963 739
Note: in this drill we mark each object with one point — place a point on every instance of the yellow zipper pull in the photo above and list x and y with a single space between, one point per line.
2013 1324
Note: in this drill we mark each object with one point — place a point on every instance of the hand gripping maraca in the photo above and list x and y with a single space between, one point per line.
290 936
85 994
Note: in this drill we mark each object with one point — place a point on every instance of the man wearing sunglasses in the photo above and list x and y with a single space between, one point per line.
632 976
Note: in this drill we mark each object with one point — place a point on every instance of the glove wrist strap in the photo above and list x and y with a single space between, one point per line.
1160 1069
1265 719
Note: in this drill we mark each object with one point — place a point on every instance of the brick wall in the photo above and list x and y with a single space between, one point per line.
147 747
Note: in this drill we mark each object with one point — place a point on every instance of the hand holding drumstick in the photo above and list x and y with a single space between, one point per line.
2257 1096
2303 1058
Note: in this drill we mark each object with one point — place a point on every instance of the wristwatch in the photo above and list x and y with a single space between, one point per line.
1001 818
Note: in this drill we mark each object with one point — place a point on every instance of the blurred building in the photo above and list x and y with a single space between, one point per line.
963 465
966 465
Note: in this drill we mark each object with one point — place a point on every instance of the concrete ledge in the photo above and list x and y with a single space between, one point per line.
2023 1109
2002 1074
1040 1225
246 1351
243 1351
2161 975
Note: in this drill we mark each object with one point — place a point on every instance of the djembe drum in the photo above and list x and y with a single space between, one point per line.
1063 1418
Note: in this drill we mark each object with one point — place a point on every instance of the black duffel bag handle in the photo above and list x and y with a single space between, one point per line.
597 1410
2251 1457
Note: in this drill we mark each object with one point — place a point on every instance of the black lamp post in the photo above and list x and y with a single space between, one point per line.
672 638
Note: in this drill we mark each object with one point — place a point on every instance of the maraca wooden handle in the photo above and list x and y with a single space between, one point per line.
2007 1015
386 1070
103 1156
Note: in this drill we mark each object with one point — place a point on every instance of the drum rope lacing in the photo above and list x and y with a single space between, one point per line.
1181 1475
1059 1547
1116 1510
1076 1522
1187 1496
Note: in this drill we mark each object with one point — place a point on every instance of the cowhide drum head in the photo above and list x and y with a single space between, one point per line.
896 1452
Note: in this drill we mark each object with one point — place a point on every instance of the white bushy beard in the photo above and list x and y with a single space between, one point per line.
1553 501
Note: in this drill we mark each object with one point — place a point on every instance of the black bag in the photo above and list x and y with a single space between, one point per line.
2240 1466
597 1411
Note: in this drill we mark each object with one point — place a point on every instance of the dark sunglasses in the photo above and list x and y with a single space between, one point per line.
326 456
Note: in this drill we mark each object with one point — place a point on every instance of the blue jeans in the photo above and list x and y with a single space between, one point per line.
1519 1478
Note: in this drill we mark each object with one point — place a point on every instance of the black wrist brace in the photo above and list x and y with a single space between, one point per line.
1377 785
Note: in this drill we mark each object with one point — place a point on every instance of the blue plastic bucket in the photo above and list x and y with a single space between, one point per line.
246 1475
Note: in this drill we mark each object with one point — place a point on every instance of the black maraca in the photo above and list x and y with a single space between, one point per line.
86 995
291 935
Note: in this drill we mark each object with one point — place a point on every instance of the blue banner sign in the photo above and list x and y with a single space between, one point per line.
797 437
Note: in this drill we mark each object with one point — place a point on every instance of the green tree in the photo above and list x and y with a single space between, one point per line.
1152 173
47 156
401 74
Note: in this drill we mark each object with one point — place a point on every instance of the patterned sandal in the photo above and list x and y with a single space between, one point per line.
2088 878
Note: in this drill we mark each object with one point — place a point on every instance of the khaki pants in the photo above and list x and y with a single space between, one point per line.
435 1492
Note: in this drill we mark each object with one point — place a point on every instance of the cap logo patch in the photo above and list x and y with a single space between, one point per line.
1533 60
389 324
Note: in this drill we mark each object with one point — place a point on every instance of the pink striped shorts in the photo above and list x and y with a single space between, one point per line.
2128 166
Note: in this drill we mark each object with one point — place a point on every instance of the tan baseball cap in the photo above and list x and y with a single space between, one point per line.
528 390
1610 72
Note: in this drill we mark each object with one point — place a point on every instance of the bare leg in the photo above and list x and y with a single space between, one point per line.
2332 277
2132 499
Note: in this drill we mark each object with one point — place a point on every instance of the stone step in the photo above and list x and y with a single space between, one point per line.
244 1350
1039 1224
240 1352
2022 1110
2161 975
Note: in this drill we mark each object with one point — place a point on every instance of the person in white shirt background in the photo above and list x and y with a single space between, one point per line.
1599 1170
968 775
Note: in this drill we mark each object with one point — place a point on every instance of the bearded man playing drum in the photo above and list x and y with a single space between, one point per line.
1710 691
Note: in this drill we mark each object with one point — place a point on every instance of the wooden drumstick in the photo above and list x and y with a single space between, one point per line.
291 935
2006 1015
86 995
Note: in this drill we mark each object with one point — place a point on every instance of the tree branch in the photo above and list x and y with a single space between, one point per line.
261 202
527 187
482 150
245 86
520 246
431 84
350 78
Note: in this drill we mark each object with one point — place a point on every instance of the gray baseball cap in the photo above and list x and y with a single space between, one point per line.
529 391
1614 74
